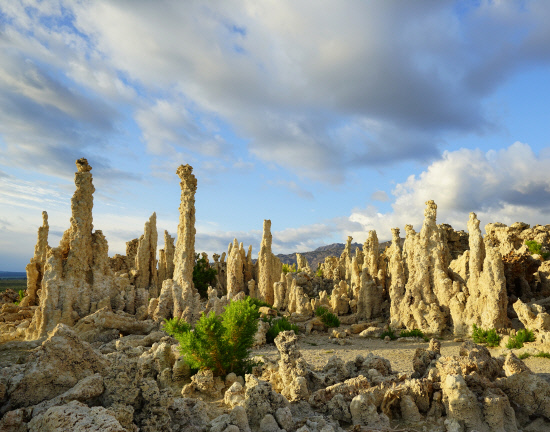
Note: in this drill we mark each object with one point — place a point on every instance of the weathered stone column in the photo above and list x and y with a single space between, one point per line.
146 258
265 265
35 269
235 280
178 297
184 256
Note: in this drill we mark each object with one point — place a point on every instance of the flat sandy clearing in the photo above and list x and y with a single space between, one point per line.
318 348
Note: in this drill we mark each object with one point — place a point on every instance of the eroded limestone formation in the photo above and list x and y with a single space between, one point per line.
146 258
472 290
269 267
235 269
78 275
178 297
35 269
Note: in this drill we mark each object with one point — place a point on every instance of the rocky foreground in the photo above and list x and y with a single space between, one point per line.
139 383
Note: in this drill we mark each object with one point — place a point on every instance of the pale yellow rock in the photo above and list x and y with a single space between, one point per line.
532 316
299 302
339 299
397 278
178 297
269 267
184 255
249 266
166 260
484 301
146 258
370 254
131 251
369 297
235 269
35 269
78 274
432 300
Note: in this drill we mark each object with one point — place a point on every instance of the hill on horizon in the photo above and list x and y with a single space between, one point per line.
318 255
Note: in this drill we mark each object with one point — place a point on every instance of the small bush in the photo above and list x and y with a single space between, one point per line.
221 343
281 324
522 336
327 318
203 275
489 337
389 333
289 268
412 333
536 248
319 272
523 356
21 295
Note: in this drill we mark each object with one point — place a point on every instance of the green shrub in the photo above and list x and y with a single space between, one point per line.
259 303
21 295
522 336
412 333
389 333
203 275
327 318
319 272
536 248
279 325
489 337
523 356
289 268
221 343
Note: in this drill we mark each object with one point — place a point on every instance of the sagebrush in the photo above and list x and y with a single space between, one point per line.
390 333
412 333
222 342
289 268
522 336
327 318
536 248
489 336
277 326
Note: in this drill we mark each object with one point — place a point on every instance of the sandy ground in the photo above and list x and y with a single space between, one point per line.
318 348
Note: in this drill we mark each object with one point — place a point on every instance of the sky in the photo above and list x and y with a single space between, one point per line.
330 118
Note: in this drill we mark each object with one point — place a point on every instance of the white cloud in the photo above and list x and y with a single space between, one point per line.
317 88
296 79
168 125
505 186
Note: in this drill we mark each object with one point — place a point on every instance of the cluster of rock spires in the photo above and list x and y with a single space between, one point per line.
102 361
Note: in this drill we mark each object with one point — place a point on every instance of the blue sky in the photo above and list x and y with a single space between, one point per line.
329 118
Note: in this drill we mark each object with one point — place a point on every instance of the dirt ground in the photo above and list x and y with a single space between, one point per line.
318 348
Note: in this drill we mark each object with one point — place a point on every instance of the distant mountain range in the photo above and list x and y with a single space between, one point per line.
318 255
12 275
